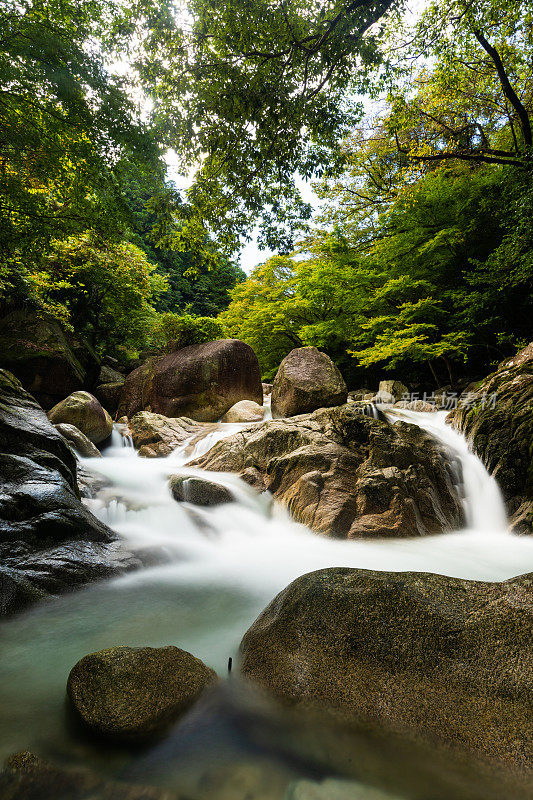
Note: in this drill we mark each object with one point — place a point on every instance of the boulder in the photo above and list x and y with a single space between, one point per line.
84 411
109 394
27 777
497 420
244 411
306 380
201 381
267 389
133 693
81 444
49 542
397 389
199 491
347 475
49 363
431 658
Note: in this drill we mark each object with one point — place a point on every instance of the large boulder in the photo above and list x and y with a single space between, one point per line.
428 657
84 411
497 420
132 693
306 380
244 411
49 363
49 542
346 475
201 381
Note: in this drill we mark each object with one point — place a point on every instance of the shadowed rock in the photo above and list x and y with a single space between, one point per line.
84 411
78 440
497 420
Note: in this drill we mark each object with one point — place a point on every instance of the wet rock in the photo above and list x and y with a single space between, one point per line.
109 394
430 658
199 491
78 440
133 693
49 363
84 411
306 380
244 411
201 381
346 475
497 419
49 541
155 435
27 777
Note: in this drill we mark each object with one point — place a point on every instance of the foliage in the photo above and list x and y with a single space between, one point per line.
250 93
101 290
173 331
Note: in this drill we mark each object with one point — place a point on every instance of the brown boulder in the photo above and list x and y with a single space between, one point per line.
244 411
201 381
306 380
435 659
346 475
83 410
157 436
130 693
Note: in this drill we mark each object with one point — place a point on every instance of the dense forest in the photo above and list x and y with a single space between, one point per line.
418 260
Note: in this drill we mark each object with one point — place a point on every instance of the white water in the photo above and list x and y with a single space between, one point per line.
220 567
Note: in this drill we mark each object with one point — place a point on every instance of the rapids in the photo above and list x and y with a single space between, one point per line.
212 572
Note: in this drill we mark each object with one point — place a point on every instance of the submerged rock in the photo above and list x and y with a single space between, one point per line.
346 475
244 411
201 381
306 380
27 777
132 693
78 440
435 659
199 491
49 363
84 411
497 420
49 542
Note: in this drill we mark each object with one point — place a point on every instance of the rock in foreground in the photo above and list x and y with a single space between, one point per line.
84 411
438 659
346 475
306 380
498 422
132 693
201 381
49 542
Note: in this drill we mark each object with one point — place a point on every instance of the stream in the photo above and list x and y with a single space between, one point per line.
215 570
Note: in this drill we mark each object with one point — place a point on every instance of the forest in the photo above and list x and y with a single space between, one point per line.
414 129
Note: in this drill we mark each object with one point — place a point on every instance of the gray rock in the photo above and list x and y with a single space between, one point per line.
306 380
133 693
110 375
199 491
395 388
78 440
84 411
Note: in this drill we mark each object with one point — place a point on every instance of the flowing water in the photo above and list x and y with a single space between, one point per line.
215 569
